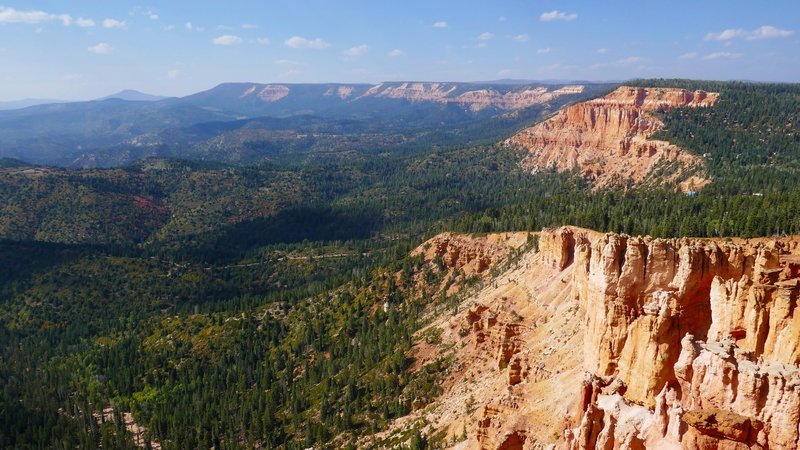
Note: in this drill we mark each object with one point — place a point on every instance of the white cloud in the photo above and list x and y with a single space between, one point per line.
11 15
395 53
173 73
262 41
188 25
602 50
440 24
543 51
101 49
355 52
485 36
84 23
146 12
169 27
113 23
557 15
722 55
301 42
248 26
521 38
227 39
762 32
768 32
690 55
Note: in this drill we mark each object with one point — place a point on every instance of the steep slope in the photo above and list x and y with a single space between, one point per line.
609 341
608 139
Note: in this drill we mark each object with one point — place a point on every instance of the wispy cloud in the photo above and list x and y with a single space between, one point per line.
142 11
543 51
602 50
690 55
557 15
227 39
762 32
521 38
262 41
11 15
355 52
485 36
395 53
440 24
173 73
722 55
249 26
84 23
301 42
101 49
114 23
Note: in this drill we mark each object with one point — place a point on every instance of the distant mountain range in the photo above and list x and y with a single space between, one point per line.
26 102
131 125
127 94
133 96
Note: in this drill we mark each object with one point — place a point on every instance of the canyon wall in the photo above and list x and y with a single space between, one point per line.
688 343
607 140
607 341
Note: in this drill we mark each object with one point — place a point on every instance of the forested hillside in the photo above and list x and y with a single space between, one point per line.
271 305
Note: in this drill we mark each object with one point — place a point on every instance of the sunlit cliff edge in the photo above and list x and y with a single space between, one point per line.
606 341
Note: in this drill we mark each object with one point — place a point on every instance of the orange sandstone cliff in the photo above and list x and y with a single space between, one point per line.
608 139
605 341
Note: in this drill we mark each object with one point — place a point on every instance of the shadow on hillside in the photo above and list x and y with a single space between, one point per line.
290 226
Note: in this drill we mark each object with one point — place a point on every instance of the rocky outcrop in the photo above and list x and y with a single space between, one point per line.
463 256
607 341
692 326
475 100
607 140
273 92
468 96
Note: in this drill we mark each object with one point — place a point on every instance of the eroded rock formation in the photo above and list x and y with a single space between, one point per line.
608 139
702 327
452 93
606 341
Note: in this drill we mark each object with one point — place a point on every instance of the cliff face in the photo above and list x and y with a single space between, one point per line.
447 93
605 341
700 327
608 139
462 257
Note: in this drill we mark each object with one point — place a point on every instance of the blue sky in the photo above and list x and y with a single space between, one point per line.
86 49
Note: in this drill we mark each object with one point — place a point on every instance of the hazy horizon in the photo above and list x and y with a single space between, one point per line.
84 50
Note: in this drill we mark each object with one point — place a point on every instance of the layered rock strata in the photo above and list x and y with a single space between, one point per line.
702 327
608 140
606 341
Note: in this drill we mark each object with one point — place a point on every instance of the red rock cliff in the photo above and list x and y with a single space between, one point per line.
706 329
608 139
